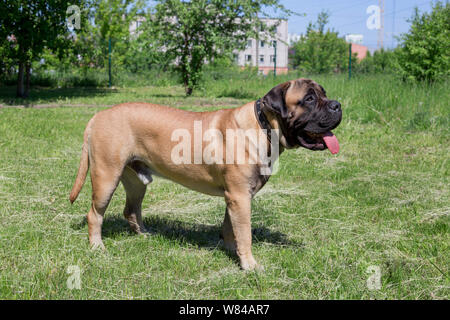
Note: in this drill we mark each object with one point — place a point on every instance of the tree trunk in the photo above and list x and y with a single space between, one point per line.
20 87
186 81
27 79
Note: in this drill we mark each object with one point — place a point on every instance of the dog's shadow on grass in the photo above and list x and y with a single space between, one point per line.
201 235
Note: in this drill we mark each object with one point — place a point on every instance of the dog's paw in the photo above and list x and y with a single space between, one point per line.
259 268
143 232
250 264
98 245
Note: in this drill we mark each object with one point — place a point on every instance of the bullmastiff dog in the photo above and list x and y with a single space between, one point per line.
131 142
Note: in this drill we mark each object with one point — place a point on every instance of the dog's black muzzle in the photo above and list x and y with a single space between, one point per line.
327 119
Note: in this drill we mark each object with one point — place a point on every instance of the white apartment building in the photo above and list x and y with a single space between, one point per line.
261 53
135 24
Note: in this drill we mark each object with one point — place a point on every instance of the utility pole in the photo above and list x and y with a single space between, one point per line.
349 61
275 58
109 62
381 30
257 48
257 52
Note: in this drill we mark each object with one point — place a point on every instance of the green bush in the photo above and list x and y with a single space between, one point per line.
69 79
425 52
157 77
382 61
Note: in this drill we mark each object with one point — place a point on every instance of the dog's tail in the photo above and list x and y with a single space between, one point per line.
84 165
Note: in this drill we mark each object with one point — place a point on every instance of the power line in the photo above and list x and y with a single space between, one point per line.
404 9
362 20
332 11
353 5
381 29
334 2
393 24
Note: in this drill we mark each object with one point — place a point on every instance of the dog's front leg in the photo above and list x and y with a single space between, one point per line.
237 232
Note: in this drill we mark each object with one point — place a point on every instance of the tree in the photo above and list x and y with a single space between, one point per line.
425 49
319 51
105 20
193 32
144 52
29 26
6 59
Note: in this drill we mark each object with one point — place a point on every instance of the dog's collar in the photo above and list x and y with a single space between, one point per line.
262 119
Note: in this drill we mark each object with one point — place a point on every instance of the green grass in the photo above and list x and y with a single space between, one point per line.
318 224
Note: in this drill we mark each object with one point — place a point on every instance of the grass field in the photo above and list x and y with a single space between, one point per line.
318 226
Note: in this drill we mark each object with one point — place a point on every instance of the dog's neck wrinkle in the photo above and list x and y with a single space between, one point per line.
248 110
272 120
276 126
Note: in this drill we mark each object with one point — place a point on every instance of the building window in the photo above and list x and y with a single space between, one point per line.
262 43
249 43
261 58
272 58
273 43
248 58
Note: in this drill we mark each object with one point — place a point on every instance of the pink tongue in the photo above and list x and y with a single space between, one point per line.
332 142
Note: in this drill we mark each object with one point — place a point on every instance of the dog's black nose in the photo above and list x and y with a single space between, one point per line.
334 106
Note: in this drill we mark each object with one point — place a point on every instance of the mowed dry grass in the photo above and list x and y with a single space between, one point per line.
318 225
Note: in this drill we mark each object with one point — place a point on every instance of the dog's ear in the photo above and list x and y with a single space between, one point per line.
275 99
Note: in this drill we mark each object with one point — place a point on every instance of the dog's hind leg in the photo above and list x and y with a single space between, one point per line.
104 183
134 183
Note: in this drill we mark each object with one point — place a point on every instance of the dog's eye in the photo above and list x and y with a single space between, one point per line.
309 99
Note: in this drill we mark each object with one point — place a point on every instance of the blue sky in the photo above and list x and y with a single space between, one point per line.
349 16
